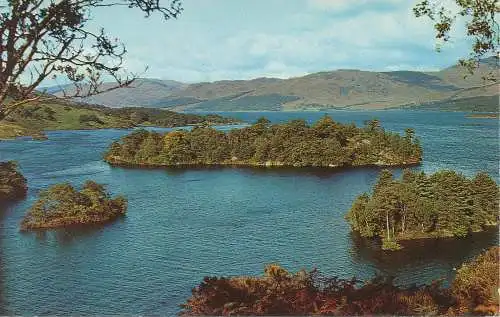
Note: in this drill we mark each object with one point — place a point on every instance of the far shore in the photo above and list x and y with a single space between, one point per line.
482 116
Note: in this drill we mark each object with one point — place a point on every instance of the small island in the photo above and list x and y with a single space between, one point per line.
12 182
62 205
444 204
326 143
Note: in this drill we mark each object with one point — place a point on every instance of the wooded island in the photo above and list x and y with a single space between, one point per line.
326 143
12 182
444 204
62 205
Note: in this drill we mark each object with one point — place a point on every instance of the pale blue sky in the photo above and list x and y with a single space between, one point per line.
242 39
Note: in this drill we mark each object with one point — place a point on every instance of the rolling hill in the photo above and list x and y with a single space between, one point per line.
143 92
33 119
339 89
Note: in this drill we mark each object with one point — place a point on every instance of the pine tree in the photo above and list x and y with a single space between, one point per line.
485 198
148 151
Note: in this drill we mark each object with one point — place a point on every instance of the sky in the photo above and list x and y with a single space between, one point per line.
243 39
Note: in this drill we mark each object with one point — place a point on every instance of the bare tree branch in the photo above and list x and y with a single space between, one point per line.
42 39
481 25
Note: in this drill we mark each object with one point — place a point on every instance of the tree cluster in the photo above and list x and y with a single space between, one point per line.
326 143
163 118
89 118
304 293
62 205
12 182
444 204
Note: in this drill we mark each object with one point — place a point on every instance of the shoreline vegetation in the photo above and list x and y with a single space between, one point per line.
278 292
62 205
482 116
33 119
442 205
326 143
13 184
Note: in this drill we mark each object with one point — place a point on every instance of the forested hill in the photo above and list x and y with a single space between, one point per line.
324 144
338 89
444 204
62 115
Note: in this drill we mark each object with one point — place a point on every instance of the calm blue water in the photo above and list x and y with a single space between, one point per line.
184 224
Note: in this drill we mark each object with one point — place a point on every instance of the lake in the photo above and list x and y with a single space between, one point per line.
184 224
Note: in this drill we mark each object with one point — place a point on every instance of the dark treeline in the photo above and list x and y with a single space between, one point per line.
278 292
159 117
444 204
326 143
12 182
62 205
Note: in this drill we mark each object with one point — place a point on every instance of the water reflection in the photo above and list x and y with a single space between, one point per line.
73 234
4 209
423 253
321 172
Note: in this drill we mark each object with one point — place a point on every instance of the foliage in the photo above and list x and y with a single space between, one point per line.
12 182
390 245
46 39
162 118
62 205
11 130
84 118
476 285
480 22
445 204
279 292
326 143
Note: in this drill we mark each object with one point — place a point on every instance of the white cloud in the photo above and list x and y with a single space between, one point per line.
277 38
396 67
341 5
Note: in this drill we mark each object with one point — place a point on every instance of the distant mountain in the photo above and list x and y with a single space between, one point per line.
461 78
143 91
339 89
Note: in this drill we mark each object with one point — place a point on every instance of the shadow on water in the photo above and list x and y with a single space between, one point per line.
419 253
321 172
72 234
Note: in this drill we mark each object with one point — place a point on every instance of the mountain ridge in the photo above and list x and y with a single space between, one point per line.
337 89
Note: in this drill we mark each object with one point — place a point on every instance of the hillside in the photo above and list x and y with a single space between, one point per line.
339 89
30 120
143 92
